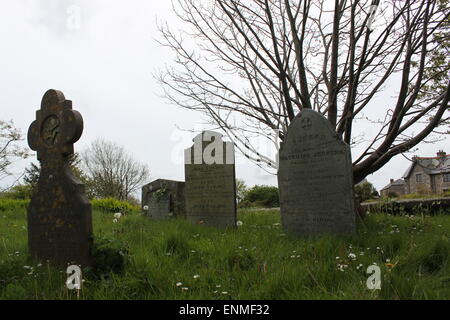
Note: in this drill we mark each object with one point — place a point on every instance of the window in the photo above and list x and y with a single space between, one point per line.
419 177
446 177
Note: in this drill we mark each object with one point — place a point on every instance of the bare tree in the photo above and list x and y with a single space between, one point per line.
32 173
112 171
10 151
252 66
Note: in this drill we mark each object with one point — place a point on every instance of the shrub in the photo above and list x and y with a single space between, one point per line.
109 256
263 196
365 191
111 205
241 189
13 205
19 192
244 204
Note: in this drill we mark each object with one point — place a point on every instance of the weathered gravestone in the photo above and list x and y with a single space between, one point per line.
59 214
163 199
315 179
210 181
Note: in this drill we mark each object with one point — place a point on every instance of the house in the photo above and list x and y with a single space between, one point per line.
395 187
428 175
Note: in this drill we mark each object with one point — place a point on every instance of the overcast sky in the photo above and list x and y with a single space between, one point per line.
101 54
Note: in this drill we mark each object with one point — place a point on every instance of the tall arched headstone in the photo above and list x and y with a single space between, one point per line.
210 187
315 179
59 214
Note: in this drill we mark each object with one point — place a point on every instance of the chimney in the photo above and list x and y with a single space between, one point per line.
392 180
441 154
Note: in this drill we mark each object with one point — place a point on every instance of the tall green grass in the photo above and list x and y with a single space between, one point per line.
178 260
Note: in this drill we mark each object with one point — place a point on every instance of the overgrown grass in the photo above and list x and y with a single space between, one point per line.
178 260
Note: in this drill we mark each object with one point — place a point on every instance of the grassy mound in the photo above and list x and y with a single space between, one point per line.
178 260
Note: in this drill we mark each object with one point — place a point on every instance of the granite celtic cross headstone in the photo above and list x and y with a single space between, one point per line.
59 214
210 189
315 179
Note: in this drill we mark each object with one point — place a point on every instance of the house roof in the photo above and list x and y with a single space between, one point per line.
398 182
431 165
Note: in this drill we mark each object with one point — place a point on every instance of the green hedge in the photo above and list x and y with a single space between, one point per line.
261 196
111 205
19 192
13 204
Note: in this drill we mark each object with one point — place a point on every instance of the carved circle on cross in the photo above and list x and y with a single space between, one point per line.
50 130
56 128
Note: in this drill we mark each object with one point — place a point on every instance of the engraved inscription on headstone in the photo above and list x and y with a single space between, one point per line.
163 199
210 181
315 178
59 214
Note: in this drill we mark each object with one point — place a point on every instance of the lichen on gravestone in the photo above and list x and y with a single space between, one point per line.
59 214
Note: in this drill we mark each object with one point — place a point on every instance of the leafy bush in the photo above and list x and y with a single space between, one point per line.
108 205
241 189
245 204
262 196
111 205
109 255
19 192
13 204
365 191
